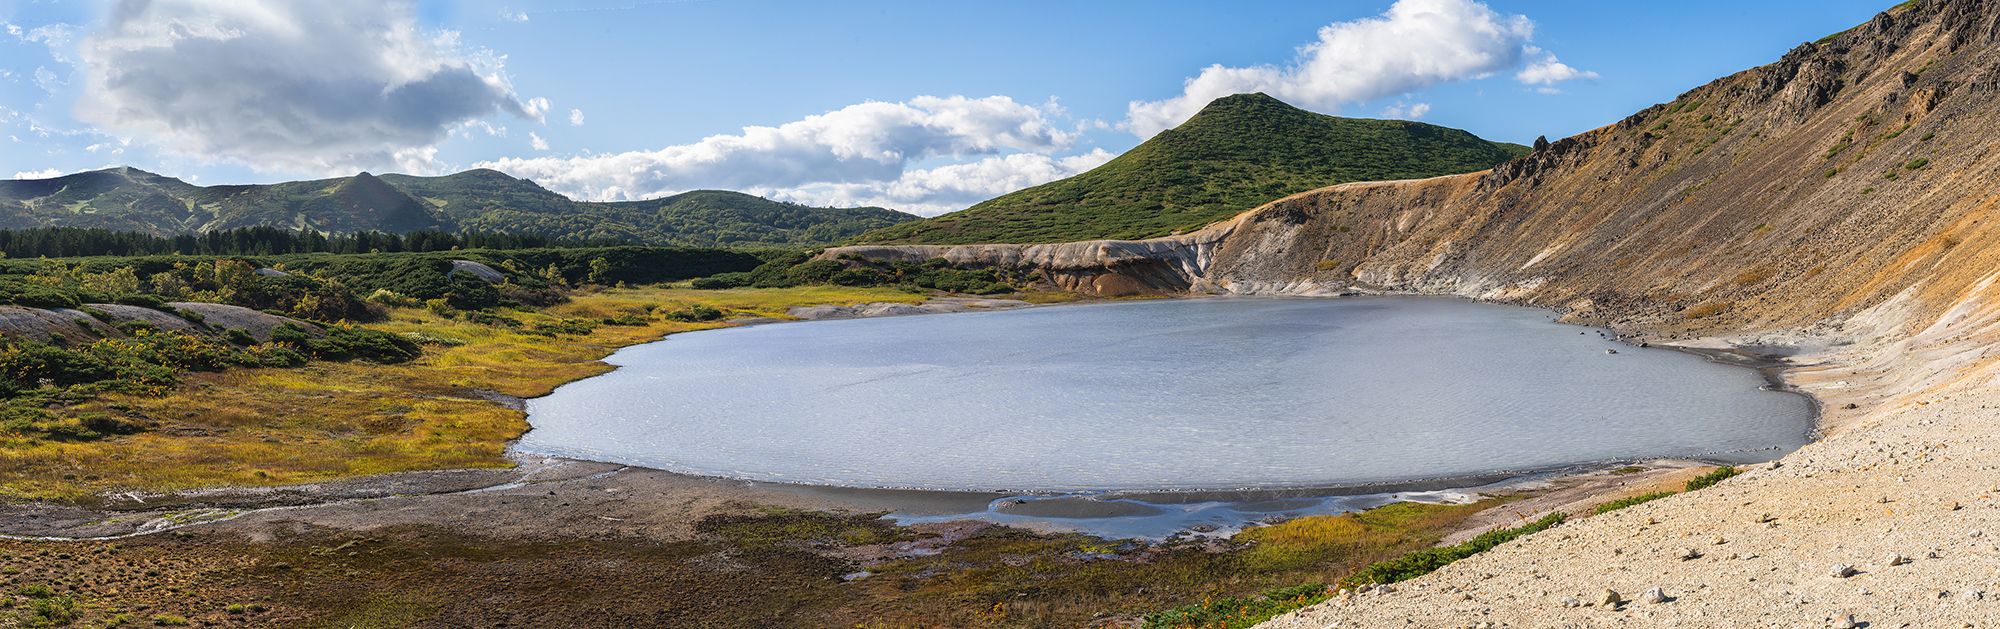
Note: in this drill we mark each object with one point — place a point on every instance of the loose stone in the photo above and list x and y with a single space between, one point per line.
1653 596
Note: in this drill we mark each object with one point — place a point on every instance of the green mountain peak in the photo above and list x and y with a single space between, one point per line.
1237 153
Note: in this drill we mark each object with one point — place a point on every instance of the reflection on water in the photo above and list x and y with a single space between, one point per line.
1164 395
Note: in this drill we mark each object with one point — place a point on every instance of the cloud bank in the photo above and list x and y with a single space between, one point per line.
297 85
861 153
1413 45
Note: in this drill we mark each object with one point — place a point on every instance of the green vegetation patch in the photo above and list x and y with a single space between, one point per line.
812 528
1632 500
1237 612
1236 154
1718 475
792 268
1428 560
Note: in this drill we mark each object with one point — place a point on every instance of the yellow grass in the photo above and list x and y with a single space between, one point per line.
333 420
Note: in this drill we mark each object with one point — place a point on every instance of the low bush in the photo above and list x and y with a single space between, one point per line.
55 610
347 342
692 314
799 269
1425 561
1718 475
1236 612
1632 500
577 327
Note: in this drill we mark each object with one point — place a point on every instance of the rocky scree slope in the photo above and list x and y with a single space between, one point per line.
1840 201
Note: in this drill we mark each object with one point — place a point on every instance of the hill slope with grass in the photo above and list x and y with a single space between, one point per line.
1239 152
129 199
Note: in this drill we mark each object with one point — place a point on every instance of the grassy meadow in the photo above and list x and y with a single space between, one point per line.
324 420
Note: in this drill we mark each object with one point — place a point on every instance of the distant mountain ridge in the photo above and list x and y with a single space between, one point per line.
129 199
1237 153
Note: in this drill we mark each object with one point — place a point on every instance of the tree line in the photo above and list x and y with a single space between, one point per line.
67 242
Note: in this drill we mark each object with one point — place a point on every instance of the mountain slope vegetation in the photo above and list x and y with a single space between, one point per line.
1239 152
129 199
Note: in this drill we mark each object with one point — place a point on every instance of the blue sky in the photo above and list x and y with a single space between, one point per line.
935 104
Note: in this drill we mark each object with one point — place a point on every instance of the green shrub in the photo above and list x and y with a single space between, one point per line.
1632 500
576 327
718 281
693 313
1425 561
346 342
486 317
240 336
1718 475
1234 612
390 299
54 610
169 620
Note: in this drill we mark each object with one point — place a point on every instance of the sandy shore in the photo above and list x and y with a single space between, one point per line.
1888 519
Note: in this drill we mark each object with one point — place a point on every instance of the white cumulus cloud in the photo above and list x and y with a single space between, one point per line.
286 85
576 117
933 191
859 151
1415 44
537 108
46 173
1545 71
1411 111
536 142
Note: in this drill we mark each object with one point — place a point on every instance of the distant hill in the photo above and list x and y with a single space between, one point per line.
129 199
1237 153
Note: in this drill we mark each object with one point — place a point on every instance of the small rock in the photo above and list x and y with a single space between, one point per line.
1611 598
1842 571
1766 518
1719 540
1897 559
1933 555
1654 596
1973 595
1846 622
1571 601
1883 500
1690 554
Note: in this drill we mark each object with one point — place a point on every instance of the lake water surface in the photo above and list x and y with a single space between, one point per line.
1169 395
